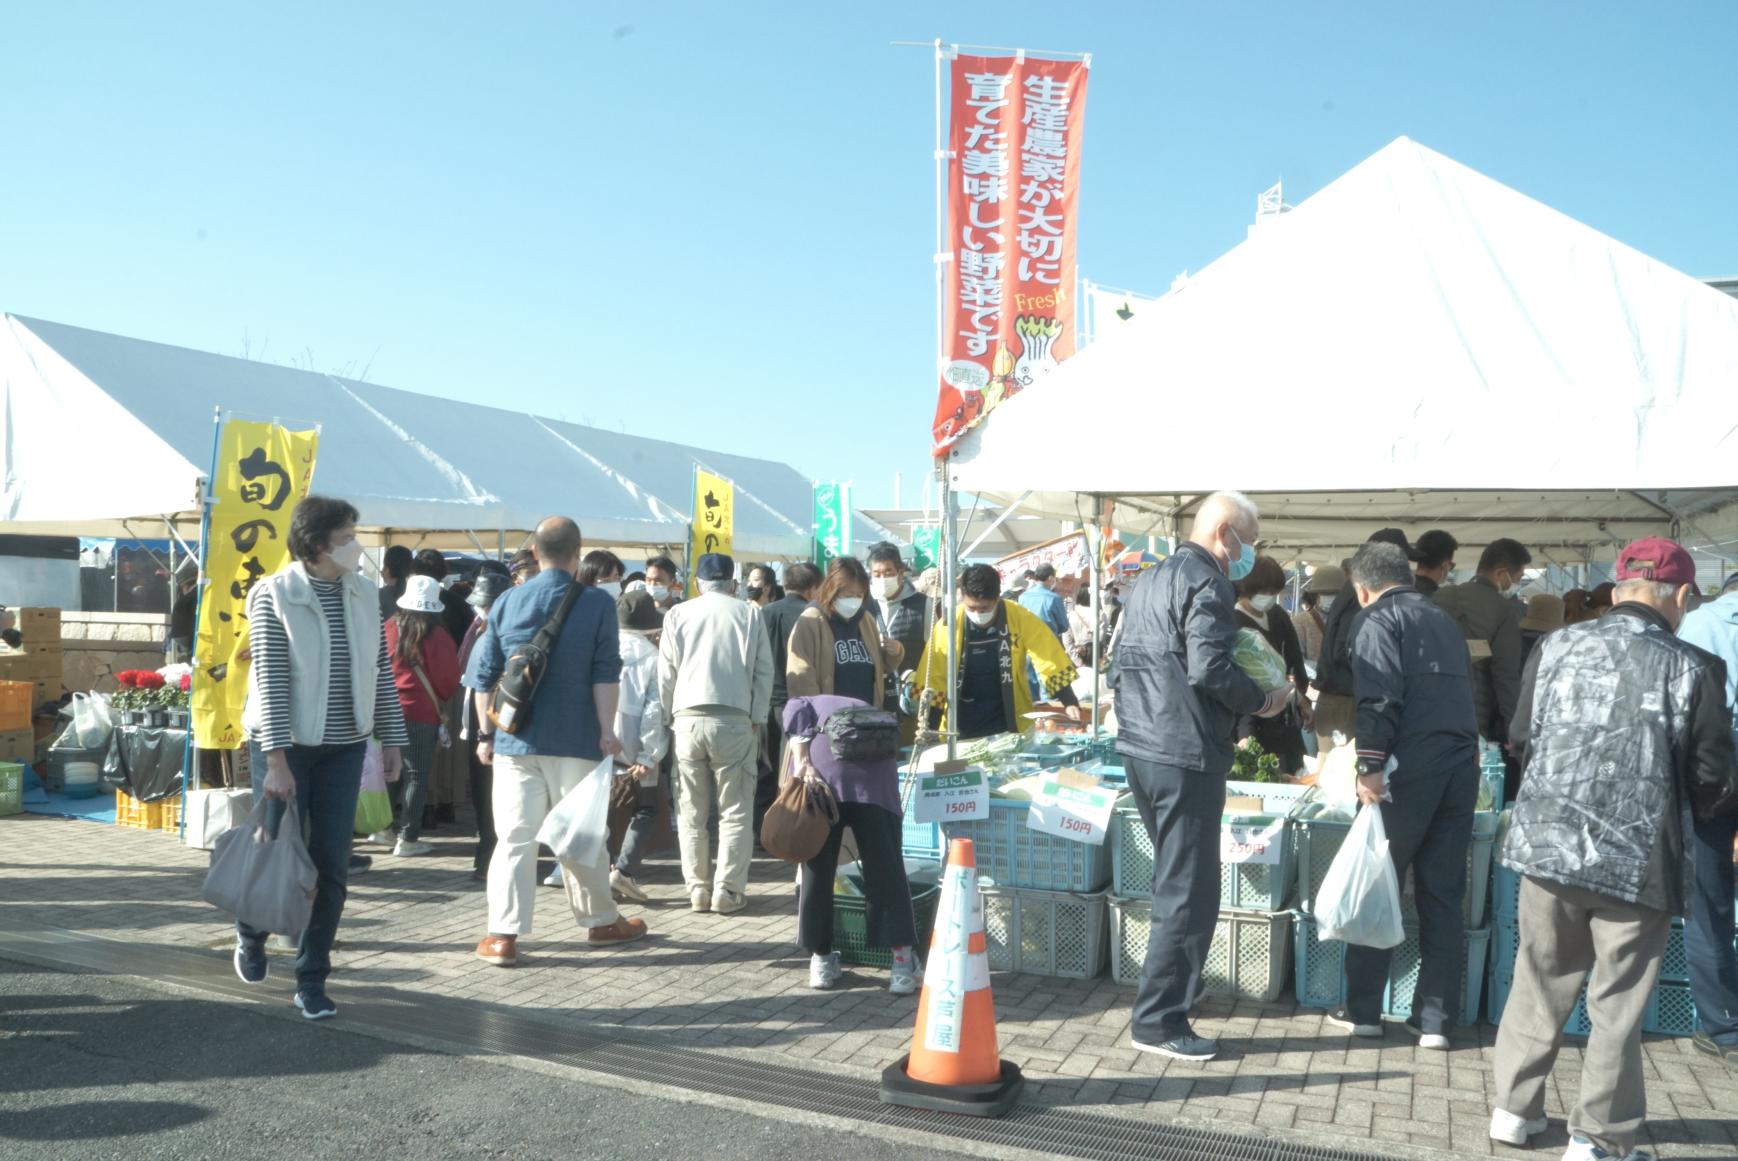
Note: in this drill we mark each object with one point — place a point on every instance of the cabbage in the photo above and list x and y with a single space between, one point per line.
1258 659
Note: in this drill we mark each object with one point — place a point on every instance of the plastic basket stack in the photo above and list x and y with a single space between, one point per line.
1045 909
11 788
1251 944
1321 976
1670 1010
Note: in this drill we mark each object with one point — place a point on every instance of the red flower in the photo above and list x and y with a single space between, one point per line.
186 682
128 678
149 680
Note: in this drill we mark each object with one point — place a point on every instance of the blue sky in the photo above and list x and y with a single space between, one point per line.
713 223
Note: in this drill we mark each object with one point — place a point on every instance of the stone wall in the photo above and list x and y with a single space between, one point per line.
99 645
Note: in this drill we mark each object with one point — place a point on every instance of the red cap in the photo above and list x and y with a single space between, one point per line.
1656 559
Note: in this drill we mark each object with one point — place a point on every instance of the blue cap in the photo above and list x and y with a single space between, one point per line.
714 566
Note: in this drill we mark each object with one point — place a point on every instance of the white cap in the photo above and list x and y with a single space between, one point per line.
422 594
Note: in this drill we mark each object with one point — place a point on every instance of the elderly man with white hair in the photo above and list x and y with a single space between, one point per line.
1179 695
715 682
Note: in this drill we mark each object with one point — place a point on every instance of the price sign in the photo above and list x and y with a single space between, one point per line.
1072 805
951 794
1251 842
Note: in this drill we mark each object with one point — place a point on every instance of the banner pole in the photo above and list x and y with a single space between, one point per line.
188 775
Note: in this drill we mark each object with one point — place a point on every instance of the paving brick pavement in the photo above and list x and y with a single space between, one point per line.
737 984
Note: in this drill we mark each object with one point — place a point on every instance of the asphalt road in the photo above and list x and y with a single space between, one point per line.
95 1066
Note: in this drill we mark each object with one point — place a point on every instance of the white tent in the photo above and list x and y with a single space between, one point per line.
1416 346
110 436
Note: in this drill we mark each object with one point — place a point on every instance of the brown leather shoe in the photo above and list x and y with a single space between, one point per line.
500 950
621 931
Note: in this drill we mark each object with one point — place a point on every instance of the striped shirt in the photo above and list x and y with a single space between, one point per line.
271 660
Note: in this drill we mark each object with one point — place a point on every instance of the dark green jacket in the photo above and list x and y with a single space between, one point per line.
1491 624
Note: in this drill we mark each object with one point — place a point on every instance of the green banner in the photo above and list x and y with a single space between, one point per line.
832 522
926 547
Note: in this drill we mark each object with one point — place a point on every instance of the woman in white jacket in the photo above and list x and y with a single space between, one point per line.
644 736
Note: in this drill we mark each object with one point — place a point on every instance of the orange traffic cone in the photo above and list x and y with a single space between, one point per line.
954 1064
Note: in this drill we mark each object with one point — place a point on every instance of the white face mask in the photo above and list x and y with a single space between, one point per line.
981 620
1327 604
1264 602
848 607
889 587
659 592
613 588
348 556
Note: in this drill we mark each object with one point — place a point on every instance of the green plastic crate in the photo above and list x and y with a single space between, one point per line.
1249 957
851 927
11 788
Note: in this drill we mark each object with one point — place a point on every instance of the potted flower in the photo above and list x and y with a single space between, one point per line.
152 691
181 702
129 699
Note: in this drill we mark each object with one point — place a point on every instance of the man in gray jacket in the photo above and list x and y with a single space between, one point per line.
1627 739
715 682
1491 622
1179 696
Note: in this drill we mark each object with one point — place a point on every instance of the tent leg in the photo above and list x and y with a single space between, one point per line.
950 601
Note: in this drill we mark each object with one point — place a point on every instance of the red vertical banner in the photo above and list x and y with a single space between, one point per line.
1013 180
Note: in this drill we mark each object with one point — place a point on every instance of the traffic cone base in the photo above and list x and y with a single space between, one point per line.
954 1065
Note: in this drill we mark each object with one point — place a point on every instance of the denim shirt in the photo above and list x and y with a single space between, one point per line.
563 717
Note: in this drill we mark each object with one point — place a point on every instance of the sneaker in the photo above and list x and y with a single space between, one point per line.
316 1005
554 878
405 849
623 887
621 931
383 838
906 978
728 902
1185 1047
824 971
1508 1129
1342 1018
359 863
700 899
1432 1041
250 961
500 950
1706 1043
1581 1149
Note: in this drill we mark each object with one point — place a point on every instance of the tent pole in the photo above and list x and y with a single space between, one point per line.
1095 569
950 601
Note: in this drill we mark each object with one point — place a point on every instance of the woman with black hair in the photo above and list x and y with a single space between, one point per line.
425 671
319 687
763 587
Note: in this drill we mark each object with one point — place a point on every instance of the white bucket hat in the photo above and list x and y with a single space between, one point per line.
422 594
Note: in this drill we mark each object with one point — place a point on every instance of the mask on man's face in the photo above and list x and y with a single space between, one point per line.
981 620
889 586
659 592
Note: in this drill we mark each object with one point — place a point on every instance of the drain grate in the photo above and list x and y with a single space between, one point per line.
468 1027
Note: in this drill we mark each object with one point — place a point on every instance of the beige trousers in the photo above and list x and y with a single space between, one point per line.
715 760
526 788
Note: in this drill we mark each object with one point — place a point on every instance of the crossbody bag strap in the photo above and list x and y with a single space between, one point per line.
428 688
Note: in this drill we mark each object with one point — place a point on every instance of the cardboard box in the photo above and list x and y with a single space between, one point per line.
18 746
46 691
31 665
45 621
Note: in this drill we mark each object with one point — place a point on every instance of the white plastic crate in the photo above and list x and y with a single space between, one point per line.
1044 933
1249 957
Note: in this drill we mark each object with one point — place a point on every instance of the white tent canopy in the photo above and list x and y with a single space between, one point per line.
1415 346
107 436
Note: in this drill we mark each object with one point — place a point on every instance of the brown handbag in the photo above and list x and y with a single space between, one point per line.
798 822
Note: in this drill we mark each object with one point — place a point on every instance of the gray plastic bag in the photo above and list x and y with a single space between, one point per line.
267 883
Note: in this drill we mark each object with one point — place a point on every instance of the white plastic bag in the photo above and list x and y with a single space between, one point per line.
91 723
1359 900
577 829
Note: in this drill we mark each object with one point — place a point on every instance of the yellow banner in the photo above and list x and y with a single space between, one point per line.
262 471
714 521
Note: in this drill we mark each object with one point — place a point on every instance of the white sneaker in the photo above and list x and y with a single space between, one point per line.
700 900
728 902
385 838
907 979
1508 1129
1433 1041
405 849
554 879
824 971
623 887
1581 1149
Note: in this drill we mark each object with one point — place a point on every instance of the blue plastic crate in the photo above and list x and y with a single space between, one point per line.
1506 942
1497 998
1319 840
1011 854
1505 892
1671 1009
921 840
1321 971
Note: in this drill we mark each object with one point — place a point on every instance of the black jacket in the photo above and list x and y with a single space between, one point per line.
1178 693
1410 665
1492 623
780 618
1334 666
1626 735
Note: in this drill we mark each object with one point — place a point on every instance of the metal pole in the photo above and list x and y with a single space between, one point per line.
189 775
1095 568
950 603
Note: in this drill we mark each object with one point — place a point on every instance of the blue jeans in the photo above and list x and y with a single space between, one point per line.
328 779
1708 932
647 800
413 782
